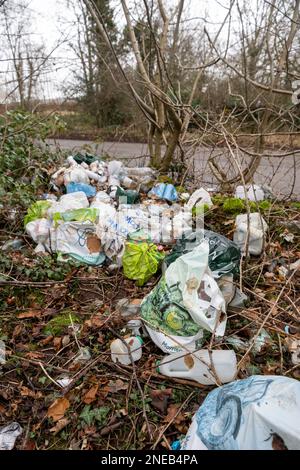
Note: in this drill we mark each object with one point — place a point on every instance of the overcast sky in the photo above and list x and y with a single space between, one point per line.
46 15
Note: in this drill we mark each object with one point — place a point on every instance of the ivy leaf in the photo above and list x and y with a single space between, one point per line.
101 413
87 415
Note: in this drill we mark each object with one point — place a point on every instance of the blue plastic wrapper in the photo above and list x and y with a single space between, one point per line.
89 190
164 191
176 445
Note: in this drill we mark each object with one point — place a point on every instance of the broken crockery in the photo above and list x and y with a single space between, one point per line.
83 356
201 366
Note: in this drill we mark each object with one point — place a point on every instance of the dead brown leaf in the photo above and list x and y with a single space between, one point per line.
160 399
34 355
115 386
58 408
172 410
90 396
10 300
2 409
18 330
29 445
97 321
278 443
30 314
61 424
45 341
161 393
57 343
26 392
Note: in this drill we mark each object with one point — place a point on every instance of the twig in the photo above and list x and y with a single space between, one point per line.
281 355
50 378
264 321
297 366
171 421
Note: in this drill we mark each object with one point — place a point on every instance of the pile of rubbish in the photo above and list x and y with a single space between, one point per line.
100 210
102 218
112 214
105 213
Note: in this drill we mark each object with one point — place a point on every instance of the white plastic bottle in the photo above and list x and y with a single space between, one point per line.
119 352
197 366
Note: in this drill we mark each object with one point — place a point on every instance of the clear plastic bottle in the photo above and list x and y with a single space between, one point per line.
197 366
119 351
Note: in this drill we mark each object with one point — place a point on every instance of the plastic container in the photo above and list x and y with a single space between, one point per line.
240 192
256 193
253 193
257 228
119 352
196 366
199 197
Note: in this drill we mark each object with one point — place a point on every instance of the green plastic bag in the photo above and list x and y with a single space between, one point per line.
224 254
37 210
140 261
89 214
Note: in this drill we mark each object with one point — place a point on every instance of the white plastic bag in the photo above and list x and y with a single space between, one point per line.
68 202
76 175
164 224
258 413
257 228
38 230
8 435
100 198
186 301
78 240
116 172
106 229
114 227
